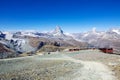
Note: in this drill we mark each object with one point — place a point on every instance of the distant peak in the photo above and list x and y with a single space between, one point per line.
58 30
115 30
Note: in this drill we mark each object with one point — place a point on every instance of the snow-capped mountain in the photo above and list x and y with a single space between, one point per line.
117 31
100 39
8 35
25 41
21 45
57 32
95 35
89 36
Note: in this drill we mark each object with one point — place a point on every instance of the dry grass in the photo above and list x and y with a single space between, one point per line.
50 48
34 68
47 67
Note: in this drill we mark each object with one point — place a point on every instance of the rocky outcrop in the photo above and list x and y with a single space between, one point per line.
2 36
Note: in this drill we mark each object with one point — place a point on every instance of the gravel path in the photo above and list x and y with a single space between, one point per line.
92 71
56 67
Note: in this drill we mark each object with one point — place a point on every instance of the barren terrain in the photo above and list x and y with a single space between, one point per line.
81 65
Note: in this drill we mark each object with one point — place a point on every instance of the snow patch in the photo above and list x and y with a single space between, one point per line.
116 31
8 35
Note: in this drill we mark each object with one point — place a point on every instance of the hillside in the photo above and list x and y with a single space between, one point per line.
6 52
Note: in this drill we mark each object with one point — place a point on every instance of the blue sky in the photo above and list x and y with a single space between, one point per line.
71 15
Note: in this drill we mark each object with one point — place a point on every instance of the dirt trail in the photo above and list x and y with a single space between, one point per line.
92 71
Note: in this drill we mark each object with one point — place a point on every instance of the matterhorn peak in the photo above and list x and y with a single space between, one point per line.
58 30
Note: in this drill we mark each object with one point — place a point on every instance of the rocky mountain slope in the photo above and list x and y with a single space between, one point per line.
6 52
100 39
31 41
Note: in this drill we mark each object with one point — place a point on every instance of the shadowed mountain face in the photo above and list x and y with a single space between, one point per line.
4 49
58 31
6 52
2 36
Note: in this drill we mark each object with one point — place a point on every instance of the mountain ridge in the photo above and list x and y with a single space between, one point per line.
24 42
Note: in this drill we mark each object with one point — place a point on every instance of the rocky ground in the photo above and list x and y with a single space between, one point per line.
82 65
111 60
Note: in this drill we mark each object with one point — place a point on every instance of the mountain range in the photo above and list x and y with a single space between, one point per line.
29 42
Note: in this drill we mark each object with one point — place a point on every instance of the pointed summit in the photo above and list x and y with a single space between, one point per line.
58 31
